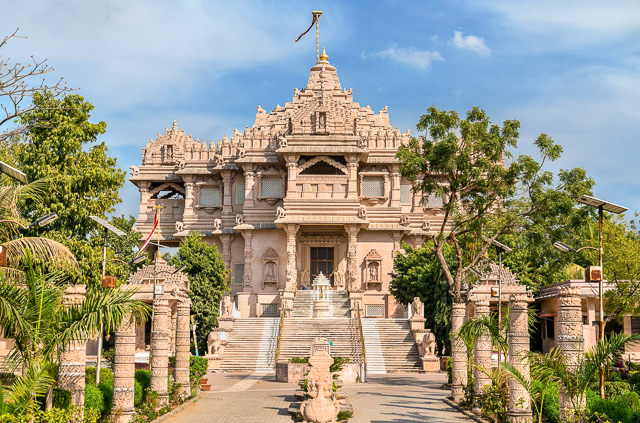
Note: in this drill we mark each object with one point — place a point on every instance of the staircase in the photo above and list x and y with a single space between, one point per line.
390 346
339 305
298 333
251 346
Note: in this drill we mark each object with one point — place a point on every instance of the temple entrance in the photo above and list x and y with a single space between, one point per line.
322 261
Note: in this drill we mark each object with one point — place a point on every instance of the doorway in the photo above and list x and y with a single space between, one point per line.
322 261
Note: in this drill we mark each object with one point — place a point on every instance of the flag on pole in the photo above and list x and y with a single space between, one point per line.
315 18
153 231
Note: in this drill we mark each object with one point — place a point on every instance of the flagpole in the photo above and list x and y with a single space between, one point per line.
316 17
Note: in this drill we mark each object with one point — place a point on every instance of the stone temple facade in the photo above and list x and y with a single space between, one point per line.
313 186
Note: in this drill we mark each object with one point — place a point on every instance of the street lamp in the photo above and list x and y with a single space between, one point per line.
602 206
501 247
14 173
43 221
107 227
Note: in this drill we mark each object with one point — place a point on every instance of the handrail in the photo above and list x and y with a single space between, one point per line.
364 353
279 334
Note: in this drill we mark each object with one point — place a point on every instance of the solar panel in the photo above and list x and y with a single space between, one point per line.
595 202
107 225
13 172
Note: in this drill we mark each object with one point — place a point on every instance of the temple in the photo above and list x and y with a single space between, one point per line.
312 187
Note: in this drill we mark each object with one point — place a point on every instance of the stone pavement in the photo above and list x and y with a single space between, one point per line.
258 398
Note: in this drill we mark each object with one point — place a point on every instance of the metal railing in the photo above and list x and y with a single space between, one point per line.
279 334
364 353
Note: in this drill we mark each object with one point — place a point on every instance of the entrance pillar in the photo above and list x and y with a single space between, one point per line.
570 340
292 272
248 257
181 373
482 353
353 276
159 359
519 398
458 353
124 372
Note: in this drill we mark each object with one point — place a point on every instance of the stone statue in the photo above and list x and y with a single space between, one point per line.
239 219
270 274
323 406
280 213
227 306
373 272
426 226
214 343
135 171
416 308
338 277
282 142
362 213
179 226
287 306
305 277
404 220
240 151
427 347
182 164
217 224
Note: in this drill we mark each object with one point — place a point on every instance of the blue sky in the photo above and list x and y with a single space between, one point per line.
570 69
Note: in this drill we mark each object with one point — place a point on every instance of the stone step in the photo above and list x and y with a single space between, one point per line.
251 345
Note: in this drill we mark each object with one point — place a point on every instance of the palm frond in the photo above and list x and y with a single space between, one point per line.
43 249
35 381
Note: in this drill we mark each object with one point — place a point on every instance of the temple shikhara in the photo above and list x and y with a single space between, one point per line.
311 187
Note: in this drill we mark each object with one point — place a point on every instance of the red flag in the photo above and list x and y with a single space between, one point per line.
155 226
315 17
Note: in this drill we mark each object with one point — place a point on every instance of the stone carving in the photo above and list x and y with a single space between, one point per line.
427 347
322 405
282 142
416 308
182 164
338 278
372 265
287 304
426 226
227 306
179 226
135 171
240 152
325 159
217 224
214 342
270 274
482 352
239 219
404 220
280 213
362 213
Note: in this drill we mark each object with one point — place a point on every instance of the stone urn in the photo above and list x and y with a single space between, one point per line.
320 409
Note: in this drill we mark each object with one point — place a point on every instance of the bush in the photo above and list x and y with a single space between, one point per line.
614 377
107 394
616 389
197 368
338 364
301 360
73 414
137 396
615 409
634 381
90 375
147 410
144 378
493 402
93 398
550 407
61 398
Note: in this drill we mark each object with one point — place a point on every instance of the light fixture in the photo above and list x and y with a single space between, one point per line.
138 259
563 247
44 220
501 246
14 173
476 271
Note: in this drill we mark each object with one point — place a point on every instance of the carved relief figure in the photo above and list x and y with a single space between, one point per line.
179 226
404 220
214 343
280 213
373 272
227 306
135 171
362 213
416 308
217 224
239 219
427 347
270 273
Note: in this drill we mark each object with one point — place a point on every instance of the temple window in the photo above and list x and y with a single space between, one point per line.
239 193
434 201
272 186
373 186
238 273
210 196
405 193
167 191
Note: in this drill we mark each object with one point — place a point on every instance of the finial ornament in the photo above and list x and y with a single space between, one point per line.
324 57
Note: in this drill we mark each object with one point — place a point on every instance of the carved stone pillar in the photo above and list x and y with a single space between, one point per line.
124 372
226 249
172 334
352 188
519 398
570 339
247 279
353 275
458 353
188 195
181 373
249 180
292 174
482 353
397 243
292 272
395 186
159 350
227 204
144 198
71 373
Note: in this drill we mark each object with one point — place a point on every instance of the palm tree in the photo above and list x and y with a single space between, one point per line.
34 313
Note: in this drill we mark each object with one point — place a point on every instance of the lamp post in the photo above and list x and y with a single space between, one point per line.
107 227
501 247
602 206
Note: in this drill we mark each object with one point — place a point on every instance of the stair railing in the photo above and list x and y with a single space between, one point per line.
364 353
279 334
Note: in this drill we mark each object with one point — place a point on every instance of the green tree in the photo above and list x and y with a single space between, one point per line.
417 273
209 280
61 145
486 192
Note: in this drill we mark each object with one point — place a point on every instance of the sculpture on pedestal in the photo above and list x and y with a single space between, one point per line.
214 343
428 345
416 308
227 306
322 407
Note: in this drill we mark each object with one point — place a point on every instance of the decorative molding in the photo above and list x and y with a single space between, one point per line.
325 159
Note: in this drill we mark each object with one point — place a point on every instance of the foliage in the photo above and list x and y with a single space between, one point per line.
61 398
147 410
90 375
338 364
197 368
144 378
106 388
301 360
138 396
93 398
417 273
493 402
174 393
449 370
209 280
486 192
614 409
344 415
546 403
616 389
73 414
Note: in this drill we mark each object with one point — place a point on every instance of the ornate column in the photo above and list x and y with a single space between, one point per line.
226 249
181 374
249 180
352 187
482 353
172 334
227 204
292 174
397 243
247 279
292 268
124 372
159 350
71 373
570 339
144 198
395 186
519 398
458 353
188 195
353 275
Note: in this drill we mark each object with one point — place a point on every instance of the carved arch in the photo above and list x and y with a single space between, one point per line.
325 159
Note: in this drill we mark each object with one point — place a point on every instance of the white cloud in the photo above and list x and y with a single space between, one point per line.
470 42
412 56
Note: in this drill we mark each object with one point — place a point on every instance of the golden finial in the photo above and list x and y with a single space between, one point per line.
324 56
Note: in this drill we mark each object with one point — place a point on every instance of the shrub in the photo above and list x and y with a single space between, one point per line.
107 394
304 360
615 377
616 389
164 410
634 381
197 368
144 378
174 393
550 407
147 409
634 367
344 415
93 398
90 375
338 364
615 409
137 395
73 414
61 398
493 402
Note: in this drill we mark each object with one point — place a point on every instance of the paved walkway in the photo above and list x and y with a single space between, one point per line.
258 398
